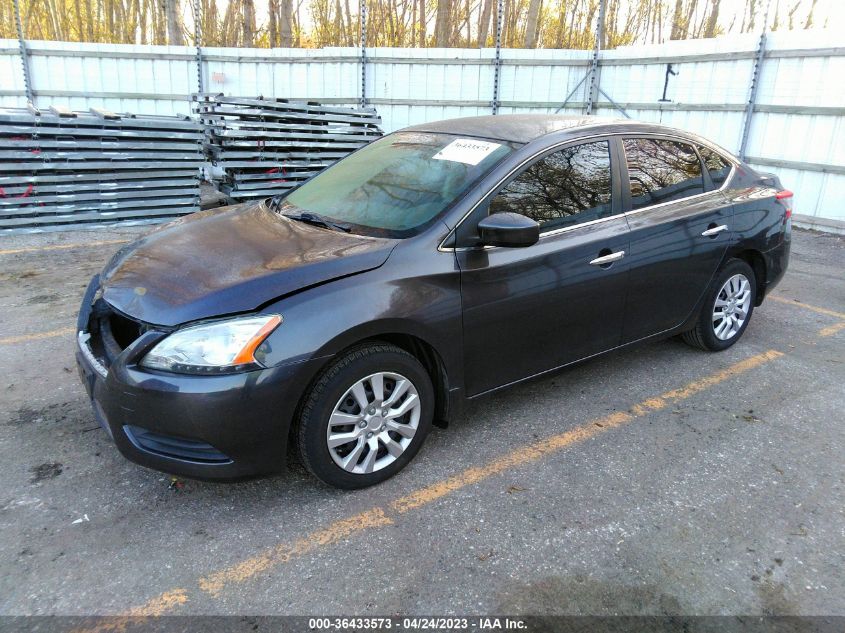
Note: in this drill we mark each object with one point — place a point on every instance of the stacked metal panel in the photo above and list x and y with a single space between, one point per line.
265 147
60 168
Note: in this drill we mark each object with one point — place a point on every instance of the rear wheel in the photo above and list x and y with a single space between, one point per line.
366 416
727 308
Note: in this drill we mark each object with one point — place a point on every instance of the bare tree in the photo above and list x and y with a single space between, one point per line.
484 22
90 22
350 33
442 23
248 18
532 23
809 23
713 20
272 22
159 22
529 23
678 26
422 24
790 15
212 21
142 22
175 35
228 33
748 25
286 23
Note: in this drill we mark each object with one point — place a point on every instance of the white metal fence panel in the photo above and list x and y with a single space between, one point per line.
331 75
803 75
797 129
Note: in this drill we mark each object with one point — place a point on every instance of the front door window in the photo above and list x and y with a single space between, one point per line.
570 186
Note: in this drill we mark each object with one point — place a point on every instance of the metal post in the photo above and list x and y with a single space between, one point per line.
497 61
198 42
755 82
363 20
27 80
593 93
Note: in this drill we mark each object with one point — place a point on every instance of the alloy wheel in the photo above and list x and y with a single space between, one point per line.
373 423
731 307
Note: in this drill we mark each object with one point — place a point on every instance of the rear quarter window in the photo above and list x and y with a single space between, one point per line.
717 167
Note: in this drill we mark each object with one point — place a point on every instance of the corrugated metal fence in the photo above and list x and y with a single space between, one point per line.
796 130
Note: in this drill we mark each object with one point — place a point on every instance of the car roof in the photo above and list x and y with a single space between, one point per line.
524 128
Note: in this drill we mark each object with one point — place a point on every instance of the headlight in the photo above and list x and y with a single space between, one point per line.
213 348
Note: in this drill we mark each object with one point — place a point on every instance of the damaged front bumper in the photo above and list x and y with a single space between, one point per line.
222 427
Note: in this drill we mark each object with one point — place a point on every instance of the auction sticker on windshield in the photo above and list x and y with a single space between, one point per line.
467 150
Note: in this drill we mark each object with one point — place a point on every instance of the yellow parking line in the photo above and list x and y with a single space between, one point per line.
23 338
60 247
161 604
158 606
536 451
377 517
806 306
214 583
830 330
519 457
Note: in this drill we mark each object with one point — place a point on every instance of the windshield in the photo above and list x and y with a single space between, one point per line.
398 184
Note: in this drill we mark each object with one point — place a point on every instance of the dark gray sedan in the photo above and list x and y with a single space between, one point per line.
435 265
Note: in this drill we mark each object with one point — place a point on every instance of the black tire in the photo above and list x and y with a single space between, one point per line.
319 403
703 335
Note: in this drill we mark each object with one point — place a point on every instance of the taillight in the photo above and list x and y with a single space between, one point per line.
785 195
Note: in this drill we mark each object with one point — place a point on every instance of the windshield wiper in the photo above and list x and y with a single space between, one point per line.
313 218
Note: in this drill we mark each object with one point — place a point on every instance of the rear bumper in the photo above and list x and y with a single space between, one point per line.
224 427
777 261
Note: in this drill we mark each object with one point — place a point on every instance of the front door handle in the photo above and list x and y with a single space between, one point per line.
714 230
604 260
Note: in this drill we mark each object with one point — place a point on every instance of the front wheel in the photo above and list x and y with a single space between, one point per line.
727 308
366 416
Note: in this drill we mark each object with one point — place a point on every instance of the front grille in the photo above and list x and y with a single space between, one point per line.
111 332
123 330
178 447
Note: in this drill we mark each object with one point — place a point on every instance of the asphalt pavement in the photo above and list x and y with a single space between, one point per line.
658 480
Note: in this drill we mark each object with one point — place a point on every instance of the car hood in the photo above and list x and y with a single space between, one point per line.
230 260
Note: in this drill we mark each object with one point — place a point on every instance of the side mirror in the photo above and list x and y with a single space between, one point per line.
508 229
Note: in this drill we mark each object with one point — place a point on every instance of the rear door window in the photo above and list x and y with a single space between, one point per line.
661 170
716 166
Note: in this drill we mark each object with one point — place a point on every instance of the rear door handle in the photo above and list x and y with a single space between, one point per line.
607 259
715 230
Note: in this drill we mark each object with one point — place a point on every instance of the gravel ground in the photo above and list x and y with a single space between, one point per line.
726 499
